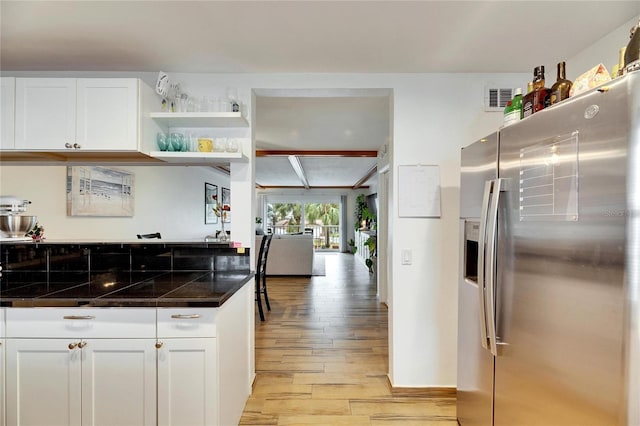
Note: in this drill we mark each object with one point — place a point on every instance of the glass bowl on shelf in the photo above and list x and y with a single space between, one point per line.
177 142
161 140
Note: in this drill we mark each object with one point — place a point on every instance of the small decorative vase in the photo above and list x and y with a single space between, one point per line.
223 233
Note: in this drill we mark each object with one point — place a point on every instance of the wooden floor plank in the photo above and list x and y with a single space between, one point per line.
322 357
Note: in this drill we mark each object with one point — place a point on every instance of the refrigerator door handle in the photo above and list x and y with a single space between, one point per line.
482 243
491 281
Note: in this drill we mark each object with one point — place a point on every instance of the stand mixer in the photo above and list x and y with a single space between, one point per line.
13 225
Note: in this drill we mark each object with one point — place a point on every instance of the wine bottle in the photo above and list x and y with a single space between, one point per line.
537 99
632 53
621 53
527 101
560 89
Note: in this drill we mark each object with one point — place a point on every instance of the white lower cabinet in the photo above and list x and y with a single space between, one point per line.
188 367
2 370
80 366
2 381
81 382
127 366
43 383
119 382
187 382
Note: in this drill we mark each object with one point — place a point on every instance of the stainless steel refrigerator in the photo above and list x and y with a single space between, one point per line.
549 289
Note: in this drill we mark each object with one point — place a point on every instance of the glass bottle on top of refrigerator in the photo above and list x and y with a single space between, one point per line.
513 110
537 99
562 86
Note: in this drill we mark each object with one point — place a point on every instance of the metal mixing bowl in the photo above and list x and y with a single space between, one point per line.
15 226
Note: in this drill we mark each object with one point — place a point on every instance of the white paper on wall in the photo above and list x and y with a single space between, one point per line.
419 191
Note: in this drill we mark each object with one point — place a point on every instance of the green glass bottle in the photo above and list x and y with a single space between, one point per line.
513 111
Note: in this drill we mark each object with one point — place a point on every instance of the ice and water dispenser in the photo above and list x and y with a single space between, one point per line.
470 261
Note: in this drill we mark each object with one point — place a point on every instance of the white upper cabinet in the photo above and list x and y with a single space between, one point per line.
7 109
95 114
107 115
45 113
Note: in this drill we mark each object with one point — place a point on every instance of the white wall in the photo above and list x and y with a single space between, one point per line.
169 200
604 51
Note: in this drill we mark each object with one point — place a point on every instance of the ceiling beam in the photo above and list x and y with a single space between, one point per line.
286 153
366 177
297 167
302 187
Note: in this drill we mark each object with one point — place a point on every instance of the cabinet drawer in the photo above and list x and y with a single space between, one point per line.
81 322
174 322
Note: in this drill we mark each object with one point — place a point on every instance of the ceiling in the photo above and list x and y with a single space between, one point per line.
298 37
287 123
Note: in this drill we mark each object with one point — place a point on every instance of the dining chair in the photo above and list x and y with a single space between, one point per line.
261 269
264 271
148 236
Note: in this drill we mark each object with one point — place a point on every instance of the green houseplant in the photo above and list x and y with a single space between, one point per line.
363 216
371 245
352 246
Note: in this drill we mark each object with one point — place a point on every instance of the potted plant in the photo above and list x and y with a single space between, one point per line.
352 246
361 205
370 261
259 230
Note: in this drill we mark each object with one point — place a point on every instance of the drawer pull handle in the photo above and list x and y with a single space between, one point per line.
182 316
79 317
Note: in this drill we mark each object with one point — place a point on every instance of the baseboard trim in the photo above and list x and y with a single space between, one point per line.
426 392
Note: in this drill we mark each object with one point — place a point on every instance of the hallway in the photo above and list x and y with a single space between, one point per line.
321 356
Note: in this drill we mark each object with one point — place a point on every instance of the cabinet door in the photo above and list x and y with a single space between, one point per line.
43 382
107 117
187 382
45 113
7 112
2 383
2 369
118 382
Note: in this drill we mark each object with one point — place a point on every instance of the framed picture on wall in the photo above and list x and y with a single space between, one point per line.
210 202
99 191
226 204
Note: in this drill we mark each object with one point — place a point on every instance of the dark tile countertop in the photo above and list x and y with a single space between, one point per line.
136 289
141 273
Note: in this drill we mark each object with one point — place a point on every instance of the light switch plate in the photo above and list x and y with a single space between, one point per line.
406 256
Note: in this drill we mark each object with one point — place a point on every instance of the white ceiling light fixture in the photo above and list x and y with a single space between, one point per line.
297 167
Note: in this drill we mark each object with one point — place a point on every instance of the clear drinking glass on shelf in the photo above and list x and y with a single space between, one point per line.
220 145
204 104
232 145
183 103
188 145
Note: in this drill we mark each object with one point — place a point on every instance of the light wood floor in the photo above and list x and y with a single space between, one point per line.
321 357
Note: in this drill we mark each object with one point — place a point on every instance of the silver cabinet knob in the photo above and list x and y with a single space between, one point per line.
77 146
68 145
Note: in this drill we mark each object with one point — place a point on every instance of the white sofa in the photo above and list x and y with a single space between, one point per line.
289 254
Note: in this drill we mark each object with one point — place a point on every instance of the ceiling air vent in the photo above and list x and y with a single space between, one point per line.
496 99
